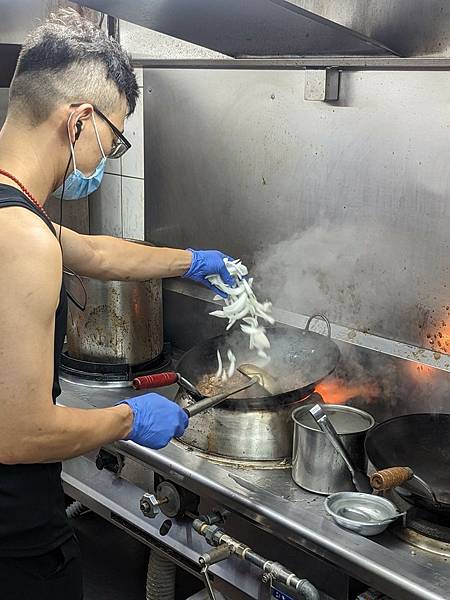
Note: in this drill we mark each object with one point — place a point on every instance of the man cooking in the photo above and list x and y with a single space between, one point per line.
72 91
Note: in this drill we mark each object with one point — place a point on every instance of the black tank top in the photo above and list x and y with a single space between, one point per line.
32 510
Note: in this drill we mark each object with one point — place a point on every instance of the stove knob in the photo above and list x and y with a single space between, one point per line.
108 461
150 505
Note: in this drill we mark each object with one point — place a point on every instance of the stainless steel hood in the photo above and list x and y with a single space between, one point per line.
410 27
243 28
9 54
16 19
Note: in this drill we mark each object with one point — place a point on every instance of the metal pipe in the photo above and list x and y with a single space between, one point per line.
273 571
278 572
216 555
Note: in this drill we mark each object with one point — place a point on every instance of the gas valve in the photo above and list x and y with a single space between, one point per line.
170 500
150 505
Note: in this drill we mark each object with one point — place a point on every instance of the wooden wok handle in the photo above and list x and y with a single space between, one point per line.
149 382
390 478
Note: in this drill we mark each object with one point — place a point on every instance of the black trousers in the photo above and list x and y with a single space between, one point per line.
55 575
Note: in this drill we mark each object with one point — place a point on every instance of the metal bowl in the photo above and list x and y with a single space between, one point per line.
362 513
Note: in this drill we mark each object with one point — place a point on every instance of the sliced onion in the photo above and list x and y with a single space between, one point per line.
219 313
241 304
230 324
232 367
220 367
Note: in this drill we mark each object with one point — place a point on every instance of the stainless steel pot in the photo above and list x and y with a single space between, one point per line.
246 434
316 465
122 322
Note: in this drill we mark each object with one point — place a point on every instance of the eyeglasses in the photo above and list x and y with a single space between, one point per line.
120 144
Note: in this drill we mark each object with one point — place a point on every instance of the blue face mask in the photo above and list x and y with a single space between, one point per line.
78 185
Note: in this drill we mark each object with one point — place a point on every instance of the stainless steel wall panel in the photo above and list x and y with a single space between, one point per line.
340 207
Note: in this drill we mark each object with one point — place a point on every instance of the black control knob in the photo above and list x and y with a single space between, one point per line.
108 461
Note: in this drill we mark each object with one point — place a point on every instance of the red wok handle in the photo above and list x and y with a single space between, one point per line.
148 382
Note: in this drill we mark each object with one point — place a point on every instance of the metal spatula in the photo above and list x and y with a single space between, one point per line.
266 381
360 480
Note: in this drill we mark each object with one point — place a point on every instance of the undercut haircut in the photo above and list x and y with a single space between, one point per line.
68 59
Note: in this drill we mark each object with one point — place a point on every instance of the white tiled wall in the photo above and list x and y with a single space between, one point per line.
133 160
133 208
3 104
133 171
117 207
105 207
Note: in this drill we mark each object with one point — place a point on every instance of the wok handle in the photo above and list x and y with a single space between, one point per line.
202 405
149 382
324 318
390 478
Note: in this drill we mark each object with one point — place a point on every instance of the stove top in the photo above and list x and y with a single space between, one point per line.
110 375
425 530
424 542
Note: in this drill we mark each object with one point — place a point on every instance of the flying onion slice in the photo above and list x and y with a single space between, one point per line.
241 304
220 367
232 367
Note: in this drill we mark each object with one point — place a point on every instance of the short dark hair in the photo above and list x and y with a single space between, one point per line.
69 59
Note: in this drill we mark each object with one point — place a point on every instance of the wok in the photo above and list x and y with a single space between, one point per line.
300 359
421 442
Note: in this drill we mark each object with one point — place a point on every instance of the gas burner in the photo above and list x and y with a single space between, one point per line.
426 531
418 540
110 375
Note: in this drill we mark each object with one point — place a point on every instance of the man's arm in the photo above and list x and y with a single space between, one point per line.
32 429
109 258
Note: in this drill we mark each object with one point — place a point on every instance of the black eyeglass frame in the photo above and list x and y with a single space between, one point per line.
121 144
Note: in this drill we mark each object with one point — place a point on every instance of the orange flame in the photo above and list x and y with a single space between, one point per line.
338 391
438 334
419 371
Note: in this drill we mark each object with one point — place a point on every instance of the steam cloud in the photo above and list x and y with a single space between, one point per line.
361 277
370 278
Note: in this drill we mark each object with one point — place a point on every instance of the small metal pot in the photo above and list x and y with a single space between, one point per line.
316 465
122 321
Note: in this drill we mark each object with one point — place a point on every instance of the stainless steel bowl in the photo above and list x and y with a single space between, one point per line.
362 513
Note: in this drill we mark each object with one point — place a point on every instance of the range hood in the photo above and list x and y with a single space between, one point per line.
245 28
16 20
9 53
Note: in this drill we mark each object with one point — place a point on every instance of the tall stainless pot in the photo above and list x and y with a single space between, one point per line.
122 322
316 465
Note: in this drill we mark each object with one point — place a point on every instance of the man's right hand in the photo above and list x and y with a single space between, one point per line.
156 420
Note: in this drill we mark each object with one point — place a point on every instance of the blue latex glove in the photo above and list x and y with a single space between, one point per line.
209 262
156 420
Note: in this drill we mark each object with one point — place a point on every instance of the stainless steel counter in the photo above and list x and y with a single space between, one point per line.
270 499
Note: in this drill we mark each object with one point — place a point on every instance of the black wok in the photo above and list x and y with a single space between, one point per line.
300 359
421 442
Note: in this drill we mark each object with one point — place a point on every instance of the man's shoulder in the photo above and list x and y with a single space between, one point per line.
23 231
